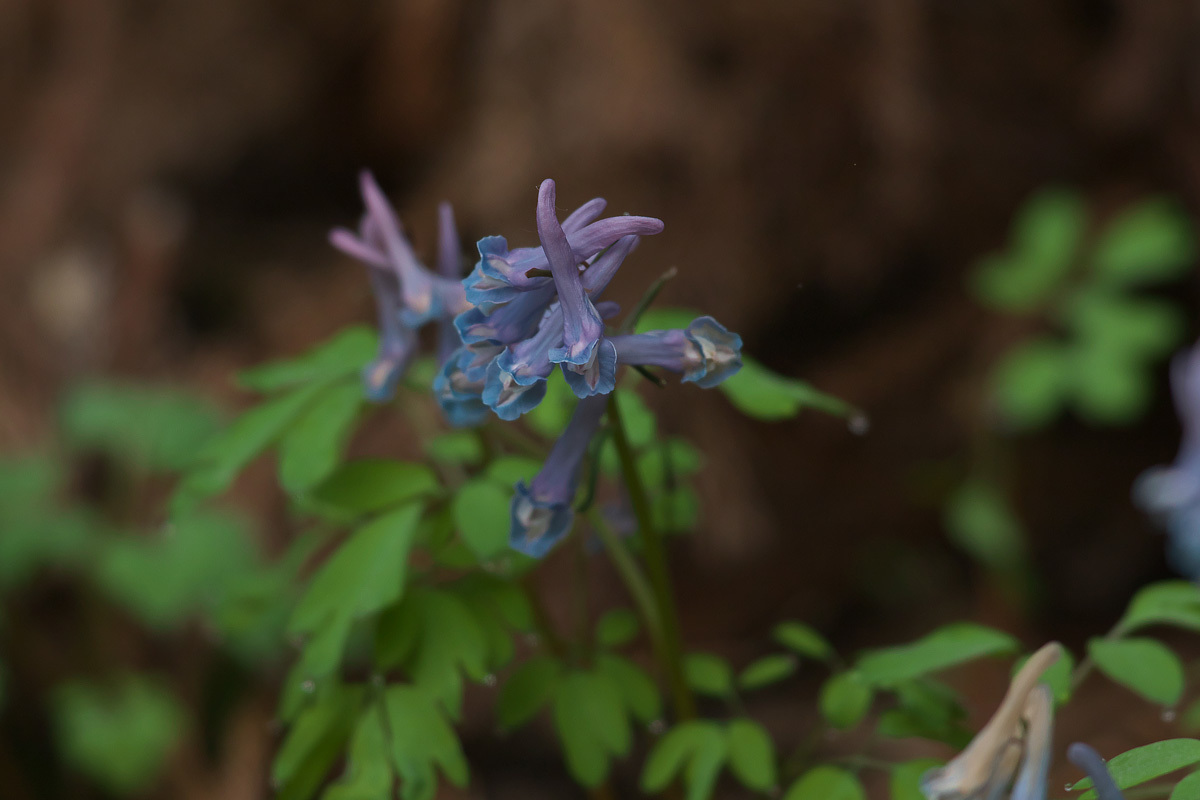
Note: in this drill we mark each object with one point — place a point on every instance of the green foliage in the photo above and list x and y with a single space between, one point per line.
751 754
804 640
1142 764
1057 677
368 772
120 735
946 647
1174 603
456 447
315 741
766 671
187 567
905 781
310 449
363 487
694 751
845 700
981 522
708 674
527 691
1145 666
343 356
592 724
482 518
617 628
1099 359
927 709
150 427
638 692
37 532
423 742
826 783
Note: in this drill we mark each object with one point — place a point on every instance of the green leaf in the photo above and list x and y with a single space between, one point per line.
451 640
638 691
481 514
803 639
1146 763
639 421
668 461
929 710
616 628
767 670
315 741
1150 243
551 415
456 447
1031 382
1127 327
1187 789
1175 603
672 753
591 723
368 773
369 485
751 754
708 674
508 470
311 447
982 523
905 783
220 461
676 511
154 427
422 740
527 691
845 700
1146 666
702 772
946 647
826 783
1046 237
1057 677
365 575
180 571
760 393
1110 387
343 355
120 736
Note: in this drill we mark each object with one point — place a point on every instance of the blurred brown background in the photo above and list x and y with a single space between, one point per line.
827 171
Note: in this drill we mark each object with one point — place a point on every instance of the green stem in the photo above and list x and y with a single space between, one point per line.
655 552
631 575
1085 667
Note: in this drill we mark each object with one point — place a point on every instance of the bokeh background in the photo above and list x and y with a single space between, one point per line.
829 173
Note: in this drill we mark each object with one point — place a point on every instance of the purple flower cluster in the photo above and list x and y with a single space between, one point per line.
406 293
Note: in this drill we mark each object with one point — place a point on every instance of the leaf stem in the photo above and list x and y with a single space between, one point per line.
654 552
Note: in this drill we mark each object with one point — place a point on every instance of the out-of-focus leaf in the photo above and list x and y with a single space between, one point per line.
751 754
150 426
423 741
641 696
590 719
616 628
1175 603
1149 243
1145 666
118 736
803 639
368 773
980 521
527 691
826 783
552 414
368 485
1031 382
343 355
507 470
946 647
1046 237
696 749
708 674
1110 388
1057 677
845 700
1187 789
905 783
1131 327
456 447
481 514
767 670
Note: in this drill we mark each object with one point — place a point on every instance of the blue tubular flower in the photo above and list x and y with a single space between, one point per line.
501 274
582 327
1088 760
458 392
541 512
407 294
1172 494
704 352
1039 731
